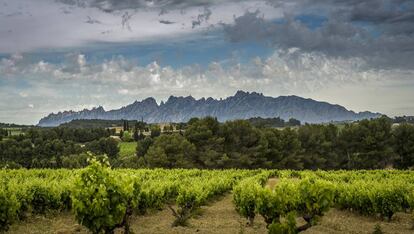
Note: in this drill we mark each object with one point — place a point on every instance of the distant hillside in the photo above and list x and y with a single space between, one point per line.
96 123
243 105
273 122
12 125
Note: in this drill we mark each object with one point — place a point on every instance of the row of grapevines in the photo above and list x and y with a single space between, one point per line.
280 206
309 194
376 192
199 191
102 198
245 194
36 191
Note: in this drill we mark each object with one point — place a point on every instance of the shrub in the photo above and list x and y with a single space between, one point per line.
102 202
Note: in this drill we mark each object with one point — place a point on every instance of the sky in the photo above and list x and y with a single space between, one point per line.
60 55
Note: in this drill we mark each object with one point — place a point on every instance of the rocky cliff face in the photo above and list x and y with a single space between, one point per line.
242 105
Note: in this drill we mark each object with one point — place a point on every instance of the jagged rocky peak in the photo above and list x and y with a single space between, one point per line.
241 93
149 100
180 98
99 109
241 105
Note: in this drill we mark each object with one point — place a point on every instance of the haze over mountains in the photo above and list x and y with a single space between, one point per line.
242 105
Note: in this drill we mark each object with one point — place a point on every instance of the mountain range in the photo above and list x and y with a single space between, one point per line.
242 105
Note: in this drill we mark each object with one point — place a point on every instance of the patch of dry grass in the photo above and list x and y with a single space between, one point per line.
218 217
63 223
339 221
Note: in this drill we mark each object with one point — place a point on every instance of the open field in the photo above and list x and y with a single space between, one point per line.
43 201
127 149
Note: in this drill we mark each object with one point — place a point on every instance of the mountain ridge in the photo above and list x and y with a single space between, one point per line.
242 105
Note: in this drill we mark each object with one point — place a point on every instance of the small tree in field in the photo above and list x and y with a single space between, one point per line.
102 202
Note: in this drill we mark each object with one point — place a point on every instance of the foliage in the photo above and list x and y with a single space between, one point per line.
404 145
96 123
207 143
155 131
244 197
108 146
316 197
171 151
368 144
287 227
273 122
8 209
127 149
127 136
100 200
143 146
103 198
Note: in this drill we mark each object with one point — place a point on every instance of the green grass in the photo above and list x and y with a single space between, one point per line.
127 149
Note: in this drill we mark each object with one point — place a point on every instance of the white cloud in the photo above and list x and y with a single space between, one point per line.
123 91
119 81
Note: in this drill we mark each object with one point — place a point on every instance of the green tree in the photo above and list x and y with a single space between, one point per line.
368 144
244 145
143 146
171 151
155 131
319 143
404 145
203 133
136 133
127 137
108 146
283 148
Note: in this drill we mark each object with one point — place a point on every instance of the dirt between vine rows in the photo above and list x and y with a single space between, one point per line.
220 217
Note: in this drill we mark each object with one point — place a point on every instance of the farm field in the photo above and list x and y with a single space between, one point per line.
208 201
127 149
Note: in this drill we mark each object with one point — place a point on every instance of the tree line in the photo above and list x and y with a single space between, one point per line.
55 147
206 143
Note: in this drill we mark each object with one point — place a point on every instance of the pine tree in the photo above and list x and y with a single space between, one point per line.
136 134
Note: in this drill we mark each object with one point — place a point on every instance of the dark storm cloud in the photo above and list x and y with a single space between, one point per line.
202 17
381 31
115 5
166 22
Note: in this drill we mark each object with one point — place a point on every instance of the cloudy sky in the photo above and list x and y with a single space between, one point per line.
73 54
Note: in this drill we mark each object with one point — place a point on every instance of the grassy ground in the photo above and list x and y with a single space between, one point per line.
127 149
220 217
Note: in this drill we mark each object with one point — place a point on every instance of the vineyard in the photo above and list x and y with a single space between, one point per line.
104 200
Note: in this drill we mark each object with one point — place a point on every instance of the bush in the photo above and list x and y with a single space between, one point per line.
102 202
316 197
244 197
8 209
127 137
